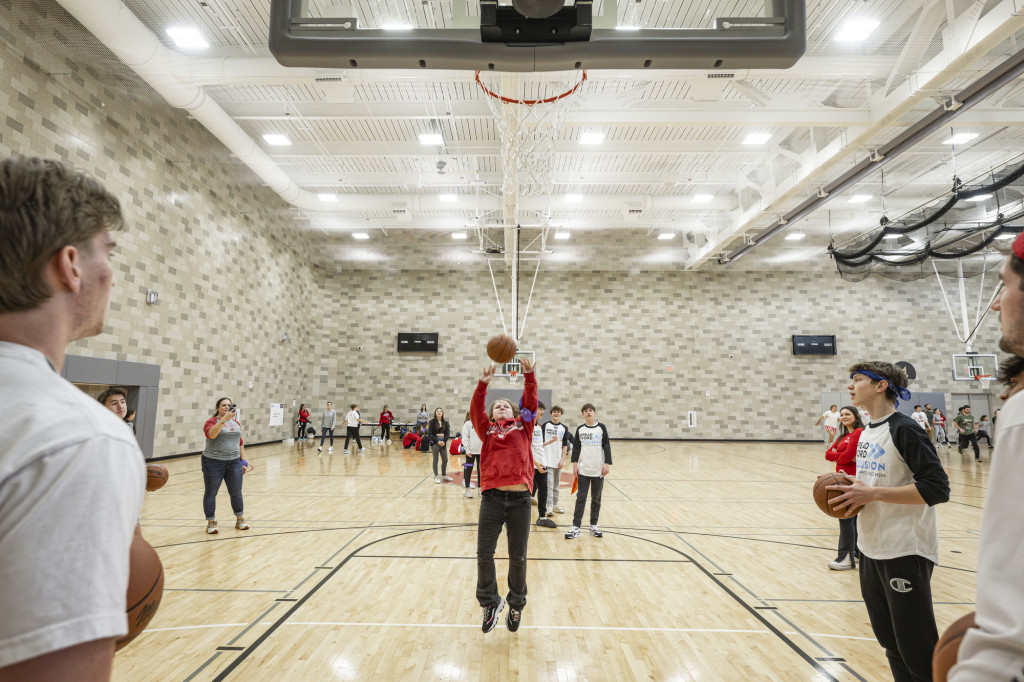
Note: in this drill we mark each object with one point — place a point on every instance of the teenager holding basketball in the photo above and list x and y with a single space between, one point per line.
899 481
71 495
995 649
506 466
844 453
222 462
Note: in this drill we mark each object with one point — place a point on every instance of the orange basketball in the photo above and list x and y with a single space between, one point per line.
156 476
948 647
145 588
501 348
823 496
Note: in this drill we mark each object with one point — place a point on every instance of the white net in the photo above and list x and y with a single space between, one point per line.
529 114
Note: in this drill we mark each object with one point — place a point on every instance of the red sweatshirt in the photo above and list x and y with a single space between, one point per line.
844 453
303 416
505 458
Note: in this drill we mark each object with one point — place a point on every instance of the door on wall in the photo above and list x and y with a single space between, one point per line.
979 402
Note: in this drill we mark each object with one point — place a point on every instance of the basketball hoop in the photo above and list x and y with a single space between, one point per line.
512 373
985 380
528 116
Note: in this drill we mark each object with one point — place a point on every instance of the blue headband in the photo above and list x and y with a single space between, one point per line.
899 391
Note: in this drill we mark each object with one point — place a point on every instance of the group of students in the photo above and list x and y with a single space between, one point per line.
328 421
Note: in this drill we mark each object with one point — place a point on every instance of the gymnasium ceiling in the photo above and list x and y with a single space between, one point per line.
669 136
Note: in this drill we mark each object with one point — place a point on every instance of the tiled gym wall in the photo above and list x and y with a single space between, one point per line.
202 230
232 275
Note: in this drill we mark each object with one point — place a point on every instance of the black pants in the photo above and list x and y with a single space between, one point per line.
509 508
984 434
898 596
969 439
353 432
324 431
847 538
540 491
467 470
302 430
438 451
385 431
595 484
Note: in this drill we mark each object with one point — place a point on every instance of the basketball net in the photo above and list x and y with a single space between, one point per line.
985 380
529 115
512 375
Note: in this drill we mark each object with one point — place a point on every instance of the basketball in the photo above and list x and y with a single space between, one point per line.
501 348
948 647
156 476
822 495
145 588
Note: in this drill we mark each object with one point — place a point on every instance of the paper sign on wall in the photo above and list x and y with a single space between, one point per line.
276 414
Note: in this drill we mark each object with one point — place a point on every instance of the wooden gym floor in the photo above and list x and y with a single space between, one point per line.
713 566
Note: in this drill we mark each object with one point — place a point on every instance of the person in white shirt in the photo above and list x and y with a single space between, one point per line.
831 418
471 445
994 651
352 422
71 496
920 417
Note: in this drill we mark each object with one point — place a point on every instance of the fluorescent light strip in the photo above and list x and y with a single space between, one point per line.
794 236
856 30
276 140
360 235
702 198
187 38
757 138
435 139
980 197
667 235
459 235
329 198
859 199
448 198
561 235
960 138
591 138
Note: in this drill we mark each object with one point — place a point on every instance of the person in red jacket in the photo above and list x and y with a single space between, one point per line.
506 484
411 440
385 419
843 452
303 421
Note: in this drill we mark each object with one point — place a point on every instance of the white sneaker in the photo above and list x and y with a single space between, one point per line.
469 494
346 452
211 527
559 510
437 479
330 450
447 479
320 450
846 564
362 449
472 485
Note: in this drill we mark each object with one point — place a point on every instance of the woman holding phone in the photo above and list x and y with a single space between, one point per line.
222 461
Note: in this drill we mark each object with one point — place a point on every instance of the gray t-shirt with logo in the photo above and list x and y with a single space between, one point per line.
226 445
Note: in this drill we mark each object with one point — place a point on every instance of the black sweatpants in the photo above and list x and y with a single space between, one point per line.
353 432
847 537
511 509
969 439
540 491
595 484
898 596
467 470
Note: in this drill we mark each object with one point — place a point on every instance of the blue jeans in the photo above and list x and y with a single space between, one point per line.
324 431
215 471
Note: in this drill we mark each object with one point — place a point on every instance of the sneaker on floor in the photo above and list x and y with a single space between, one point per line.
546 523
572 533
559 510
362 450
447 479
550 512
491 614
437 479
977 459
330 450
512 619
844 564
240 523
596 532
472 485
320 449
211 527
346 452
469 494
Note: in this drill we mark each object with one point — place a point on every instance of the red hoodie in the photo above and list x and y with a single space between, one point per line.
505 458
844 453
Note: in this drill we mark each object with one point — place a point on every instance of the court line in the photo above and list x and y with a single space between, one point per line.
528 558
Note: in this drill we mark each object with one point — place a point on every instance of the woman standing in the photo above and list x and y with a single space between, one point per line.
939 421
352 422
303 422
385 420
327 420
222 461
438 431
844 453
472 444
422 417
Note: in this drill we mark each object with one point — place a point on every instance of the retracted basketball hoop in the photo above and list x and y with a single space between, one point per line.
529 112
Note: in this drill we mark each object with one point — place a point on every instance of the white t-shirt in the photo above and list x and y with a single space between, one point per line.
996 650
470 440
921 418
591 449
73 479
535 444
553 452
352 418
831 419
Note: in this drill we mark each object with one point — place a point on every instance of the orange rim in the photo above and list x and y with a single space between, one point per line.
530 102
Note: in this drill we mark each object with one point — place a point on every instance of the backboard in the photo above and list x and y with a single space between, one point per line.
507 369
971 366
491 35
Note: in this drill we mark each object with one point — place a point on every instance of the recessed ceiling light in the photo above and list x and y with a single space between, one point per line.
856 30
448 198
794 236
859 199
667 235
187 38
329 198
360 235
459 235
1007 236
435 139
757 138
702 198
396 27
574 198
980 197
960 138
561 235
277 140
591 138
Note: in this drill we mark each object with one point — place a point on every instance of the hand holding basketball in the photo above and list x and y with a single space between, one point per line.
854 496
828 490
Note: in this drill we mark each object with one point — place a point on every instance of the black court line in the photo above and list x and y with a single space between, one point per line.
288 614
324 568
286 599
752 610
528 558
230 648
837 659
767 608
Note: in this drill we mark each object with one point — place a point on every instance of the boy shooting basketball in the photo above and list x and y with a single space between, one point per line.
506 468
899 480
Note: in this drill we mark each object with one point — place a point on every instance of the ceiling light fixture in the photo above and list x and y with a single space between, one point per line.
757 138
591 138
856 30
702 198
667 235
574 198
1006 236
360 235
448 198
435 139
329 198
561 235
960 138
859 199
459 235
795 236
277 140
980 197
187 38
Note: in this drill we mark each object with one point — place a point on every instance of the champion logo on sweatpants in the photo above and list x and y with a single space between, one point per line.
900 585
